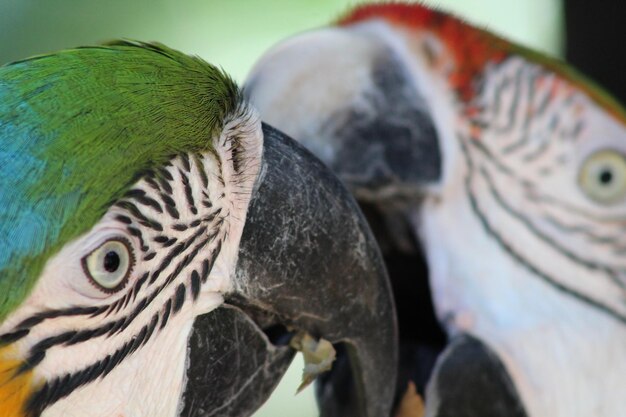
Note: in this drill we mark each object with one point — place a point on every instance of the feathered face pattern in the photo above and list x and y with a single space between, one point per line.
104 329
523 229
544 170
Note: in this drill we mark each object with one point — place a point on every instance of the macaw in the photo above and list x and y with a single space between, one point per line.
160 247
493 172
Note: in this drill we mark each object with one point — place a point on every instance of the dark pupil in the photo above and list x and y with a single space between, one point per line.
111 261
606 176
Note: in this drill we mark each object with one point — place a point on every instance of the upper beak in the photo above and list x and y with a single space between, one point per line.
352 100
307 263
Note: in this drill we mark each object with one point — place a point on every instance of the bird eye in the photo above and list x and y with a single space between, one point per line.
109 265
603 177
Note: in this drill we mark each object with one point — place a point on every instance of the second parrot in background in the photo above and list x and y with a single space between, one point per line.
507 169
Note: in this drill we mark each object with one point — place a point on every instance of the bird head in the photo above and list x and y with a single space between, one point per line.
505 168
160 245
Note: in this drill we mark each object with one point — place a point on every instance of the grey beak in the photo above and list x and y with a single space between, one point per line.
307 262
378 136
386 145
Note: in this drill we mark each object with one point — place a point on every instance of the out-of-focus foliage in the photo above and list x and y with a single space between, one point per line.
233 34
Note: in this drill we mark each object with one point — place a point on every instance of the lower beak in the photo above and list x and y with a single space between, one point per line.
308 263
470 379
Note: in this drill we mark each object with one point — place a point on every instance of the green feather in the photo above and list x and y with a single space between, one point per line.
78 128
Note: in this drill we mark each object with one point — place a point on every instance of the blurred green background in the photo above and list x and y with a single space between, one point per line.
233 34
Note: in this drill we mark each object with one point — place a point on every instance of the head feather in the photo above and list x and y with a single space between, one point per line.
78 128
473 47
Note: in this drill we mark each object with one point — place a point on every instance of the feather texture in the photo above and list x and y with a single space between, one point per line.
78 127
473 48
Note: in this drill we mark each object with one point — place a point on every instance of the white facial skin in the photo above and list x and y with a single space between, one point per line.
528 261
546 287
207 201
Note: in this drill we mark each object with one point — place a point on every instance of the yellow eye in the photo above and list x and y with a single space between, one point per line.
109 265
603 177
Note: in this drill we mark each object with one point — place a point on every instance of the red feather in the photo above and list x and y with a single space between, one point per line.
471 47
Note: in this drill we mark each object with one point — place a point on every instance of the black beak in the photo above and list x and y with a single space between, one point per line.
307 263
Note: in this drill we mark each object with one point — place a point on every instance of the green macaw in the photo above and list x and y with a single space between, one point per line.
160 247
506 169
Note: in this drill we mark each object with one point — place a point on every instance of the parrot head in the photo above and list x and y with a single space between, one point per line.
506 169
161 247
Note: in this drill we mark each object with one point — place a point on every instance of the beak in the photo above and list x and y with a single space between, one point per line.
368 121
467 369
307 263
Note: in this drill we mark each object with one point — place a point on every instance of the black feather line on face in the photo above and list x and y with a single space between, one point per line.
60 387
134 215
136 207
506 246
542 112
191 204
38 351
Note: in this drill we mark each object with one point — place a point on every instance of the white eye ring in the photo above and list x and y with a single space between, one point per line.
109 265
603 177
